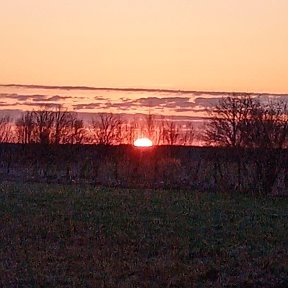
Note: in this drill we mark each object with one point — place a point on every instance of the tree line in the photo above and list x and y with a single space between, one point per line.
251 136
236 121
246 122
56 125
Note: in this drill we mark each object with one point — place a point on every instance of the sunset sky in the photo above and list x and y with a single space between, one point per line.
199 45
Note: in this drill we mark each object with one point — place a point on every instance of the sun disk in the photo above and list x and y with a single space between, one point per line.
143 142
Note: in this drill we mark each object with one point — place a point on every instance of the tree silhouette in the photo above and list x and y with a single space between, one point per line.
6 133
25 128
227 120
50 125
171 132
107 129
245 122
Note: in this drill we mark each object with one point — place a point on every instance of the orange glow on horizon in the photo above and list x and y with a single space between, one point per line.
143 142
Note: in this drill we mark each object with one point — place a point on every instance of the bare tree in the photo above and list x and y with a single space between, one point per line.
25 128
227 118
6 133
187 134
63 122
107 129
226 128
267 133
171 132
75 133
150 125
44 121
79 133
35 126
130 131
245 122
50 125
267 126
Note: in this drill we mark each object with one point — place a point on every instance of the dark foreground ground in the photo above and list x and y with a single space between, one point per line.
77 236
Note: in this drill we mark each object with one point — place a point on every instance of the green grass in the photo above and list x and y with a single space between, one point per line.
65 236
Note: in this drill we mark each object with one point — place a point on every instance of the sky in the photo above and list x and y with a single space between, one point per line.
198 45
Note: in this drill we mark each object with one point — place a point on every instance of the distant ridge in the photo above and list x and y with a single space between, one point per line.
195 92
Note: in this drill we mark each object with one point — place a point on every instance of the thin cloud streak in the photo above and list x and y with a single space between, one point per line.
35 98
194 92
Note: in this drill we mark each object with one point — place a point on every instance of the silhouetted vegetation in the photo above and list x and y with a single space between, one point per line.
174 230
55 125
50 125
248 150
6 134
258 132
106 129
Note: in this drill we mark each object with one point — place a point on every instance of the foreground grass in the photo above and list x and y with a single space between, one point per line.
63 236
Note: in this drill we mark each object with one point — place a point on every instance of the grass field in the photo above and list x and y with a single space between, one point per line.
72 236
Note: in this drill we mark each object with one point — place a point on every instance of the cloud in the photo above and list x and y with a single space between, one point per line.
38 98
159 100
86 106
58 98
15 96
101 98
194 92
151 102
39 104
169 91
172 102
177 104
206 102
183 110
34 97
3 104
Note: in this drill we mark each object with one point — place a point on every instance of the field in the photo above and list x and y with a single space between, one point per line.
84 236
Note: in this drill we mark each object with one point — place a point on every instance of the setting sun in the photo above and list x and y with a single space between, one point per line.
143 142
